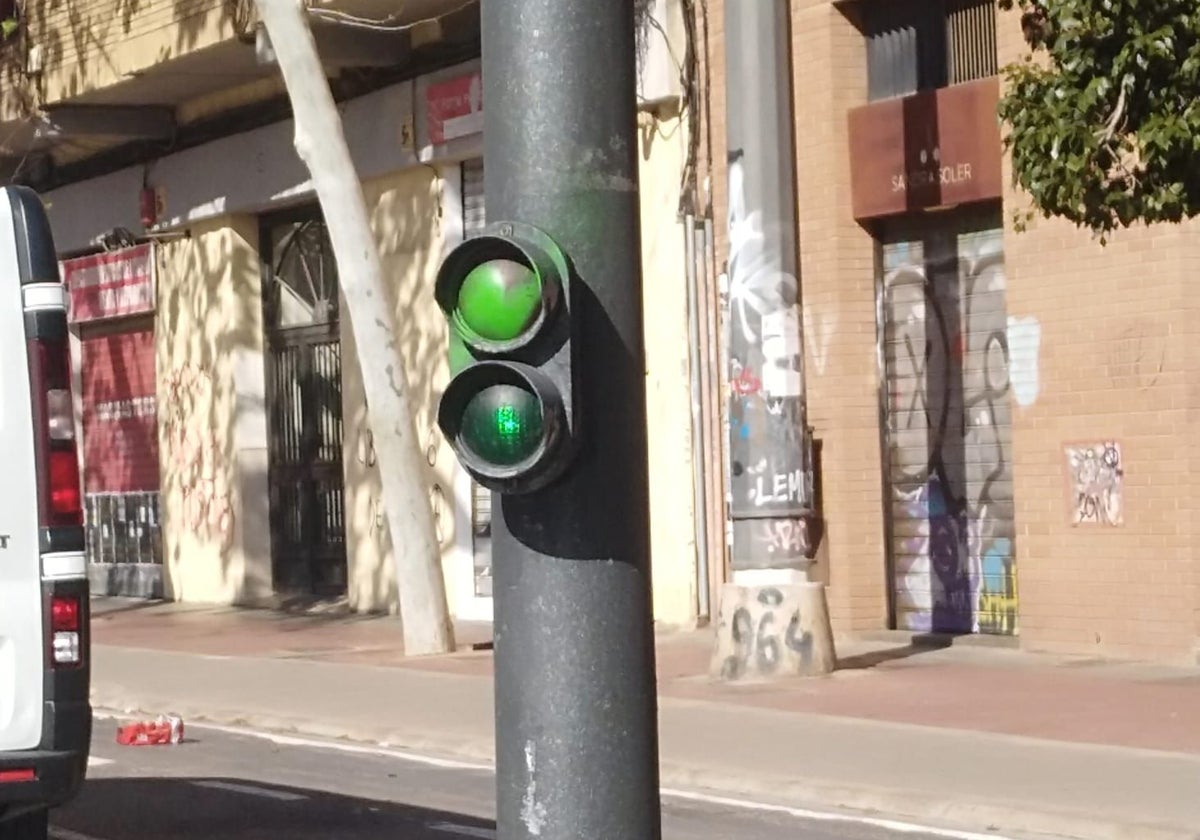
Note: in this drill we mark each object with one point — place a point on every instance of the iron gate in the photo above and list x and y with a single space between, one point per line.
304 404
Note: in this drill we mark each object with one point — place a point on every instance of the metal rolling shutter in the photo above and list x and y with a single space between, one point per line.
474 220
120 446
949 427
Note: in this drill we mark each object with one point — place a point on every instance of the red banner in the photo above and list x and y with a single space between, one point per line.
120 414
111 285
455 108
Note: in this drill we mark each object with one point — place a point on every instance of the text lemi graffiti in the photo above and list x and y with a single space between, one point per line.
780 487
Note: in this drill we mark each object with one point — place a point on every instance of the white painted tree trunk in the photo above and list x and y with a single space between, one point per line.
321 144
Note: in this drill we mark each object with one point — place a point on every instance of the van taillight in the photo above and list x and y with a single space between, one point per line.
66 649
61 502
64 612
65 504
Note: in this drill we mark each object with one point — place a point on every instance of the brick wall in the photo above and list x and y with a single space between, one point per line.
1117 329
837 268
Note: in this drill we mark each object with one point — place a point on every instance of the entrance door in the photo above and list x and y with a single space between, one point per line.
304 404
949 441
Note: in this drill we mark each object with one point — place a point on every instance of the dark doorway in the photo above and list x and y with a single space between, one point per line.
304 406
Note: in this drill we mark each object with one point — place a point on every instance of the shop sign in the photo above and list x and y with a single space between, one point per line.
111 285
455 108
933 149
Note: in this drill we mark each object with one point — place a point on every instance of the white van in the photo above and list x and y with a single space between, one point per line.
45 669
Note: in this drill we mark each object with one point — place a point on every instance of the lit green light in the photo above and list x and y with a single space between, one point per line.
502 424
499 299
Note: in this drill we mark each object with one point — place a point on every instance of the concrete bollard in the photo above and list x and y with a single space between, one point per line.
771 632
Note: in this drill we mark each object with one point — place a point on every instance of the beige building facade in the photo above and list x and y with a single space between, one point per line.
234 463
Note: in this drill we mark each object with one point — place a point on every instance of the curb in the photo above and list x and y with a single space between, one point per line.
991 818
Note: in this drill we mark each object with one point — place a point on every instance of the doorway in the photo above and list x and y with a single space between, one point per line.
948 436
304 406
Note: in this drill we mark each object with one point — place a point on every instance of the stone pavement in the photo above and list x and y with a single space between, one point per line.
973 737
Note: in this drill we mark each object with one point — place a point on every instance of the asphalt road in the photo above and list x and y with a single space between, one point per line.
237 787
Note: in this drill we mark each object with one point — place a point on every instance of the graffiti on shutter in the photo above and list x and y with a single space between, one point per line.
949 431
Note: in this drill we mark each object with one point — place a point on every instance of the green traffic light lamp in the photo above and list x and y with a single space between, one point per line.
507 410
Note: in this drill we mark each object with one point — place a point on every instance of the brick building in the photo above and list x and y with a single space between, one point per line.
1003 418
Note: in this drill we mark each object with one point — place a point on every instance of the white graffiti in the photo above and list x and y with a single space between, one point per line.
780 487
756 279
1024 347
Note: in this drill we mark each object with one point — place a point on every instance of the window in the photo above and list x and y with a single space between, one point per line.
971 32
915 45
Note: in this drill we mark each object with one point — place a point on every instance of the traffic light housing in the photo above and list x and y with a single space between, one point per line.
510 409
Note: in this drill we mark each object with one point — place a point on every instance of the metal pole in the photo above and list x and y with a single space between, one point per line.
692 258
770 448
576 729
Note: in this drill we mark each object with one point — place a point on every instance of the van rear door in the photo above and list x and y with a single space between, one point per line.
40 533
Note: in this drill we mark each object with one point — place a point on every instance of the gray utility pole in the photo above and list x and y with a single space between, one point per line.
773 621
771 473
576 709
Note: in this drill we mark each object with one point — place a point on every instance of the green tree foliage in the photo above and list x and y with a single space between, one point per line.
1103 115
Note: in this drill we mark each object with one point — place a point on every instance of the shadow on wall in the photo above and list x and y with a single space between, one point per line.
405 216
79 37
209 313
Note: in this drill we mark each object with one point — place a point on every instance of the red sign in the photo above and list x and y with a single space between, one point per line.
120 414
932 149
455 108
111 285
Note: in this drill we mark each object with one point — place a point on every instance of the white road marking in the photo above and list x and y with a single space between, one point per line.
253 790
898 826
382 750
57 833
463 830
97 761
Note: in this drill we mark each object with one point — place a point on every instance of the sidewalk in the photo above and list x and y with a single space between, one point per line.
966 737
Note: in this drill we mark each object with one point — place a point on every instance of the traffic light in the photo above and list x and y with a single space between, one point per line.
510 409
